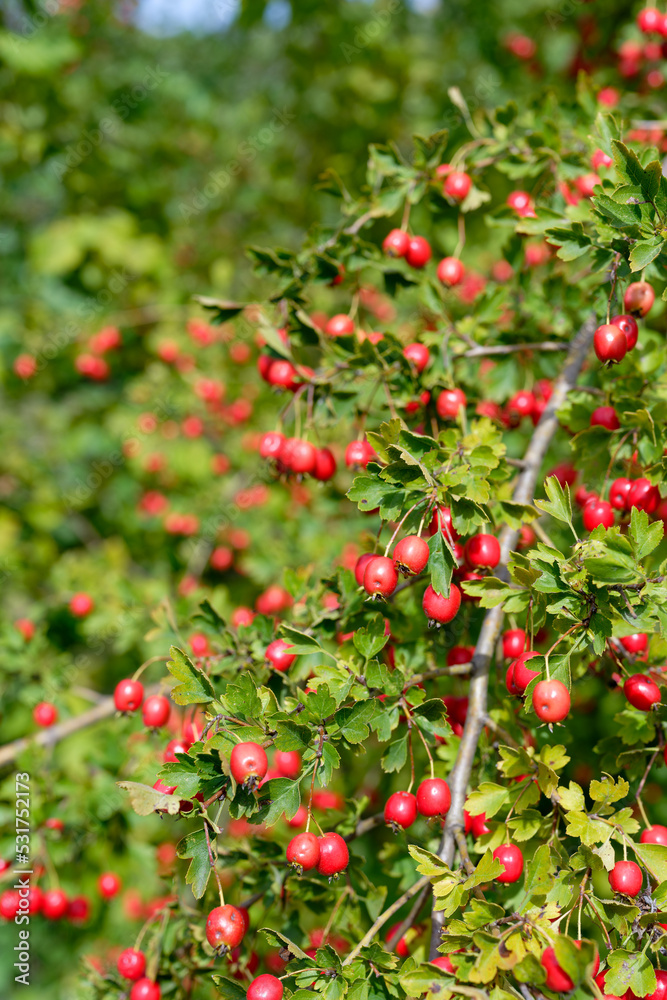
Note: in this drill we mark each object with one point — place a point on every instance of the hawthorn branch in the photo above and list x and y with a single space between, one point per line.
54 734
406 924
545 345
524 491
384 917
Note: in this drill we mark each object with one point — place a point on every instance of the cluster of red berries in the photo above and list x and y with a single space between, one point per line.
613 340
624 494
433 798
129 696
297 456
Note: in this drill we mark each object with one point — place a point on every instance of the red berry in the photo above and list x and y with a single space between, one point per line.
359 453
225 927
25 627
304 851
457 185
478 826
302 457
482 551
522 404
334 855
128 695
81 605
551 701
521 203
557 980
222 558
341 325
396 243
649 20
449 402
265 987
514 643
145 989
519 675
418 253
401 809
639 297
597 512
433 797
628 324
418 355
511 859
173 747
450 271
78 910
654 835
442 519
45 714
54 904
641 692
610 343
282 373
444 962
441 609
277 655
131 963
287 763
618 494
626 877
460 654
9 904
248 764
644 495
411 555
271 443
108 884
380 576
156 711
636 643
325 465
402 946
360 567
605 416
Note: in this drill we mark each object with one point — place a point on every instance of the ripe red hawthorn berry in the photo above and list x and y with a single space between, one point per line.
626 877
145 989
303 851
248 764
278 656
54 904
128 695
644 495
156 711
401 809
514 643
649 20
360 566
628 324
557 980
641 692
597 512
131 964
81 605
302 457
282 374
418 253
178 745
522 404
639 297
271 443
654 835
584 496
225 927
222 558
449 402
334 855
325 465
25 627
478 826
380 576
438 608
287 763
460 654
444 962
450 271
482 551
396 243
618 494
418 355
457 185
341 325
265 987
511 858
433 797
551 701
636 643
108 884
605 416
78 910
411 555
610 343
442 519
402 946
45 714
518 675
358 454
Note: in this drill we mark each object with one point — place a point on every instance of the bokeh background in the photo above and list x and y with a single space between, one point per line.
143 148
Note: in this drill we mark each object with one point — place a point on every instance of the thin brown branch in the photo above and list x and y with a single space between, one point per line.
524 491
384 917
364 825
406 924
544 345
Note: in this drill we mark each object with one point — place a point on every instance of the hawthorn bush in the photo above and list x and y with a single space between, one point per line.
410 743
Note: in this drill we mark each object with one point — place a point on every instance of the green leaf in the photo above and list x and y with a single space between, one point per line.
371 639
354 721
319 704
629 971
301 642
194 846
280 941
441 563
241 697
643 253
559 505
487 799
280 795
195 687
539 872
183 775
229 989
645 536
291 736
396 755
572 242
654 859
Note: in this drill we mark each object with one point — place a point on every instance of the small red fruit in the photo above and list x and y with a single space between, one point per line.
145 989
109 885
644 495
360 566
54 904
605 416
514 643
265 987
396 243
131 964
25 627
341 325
457 184
287 763
610 343
450 271
511 859
444 962
128 695
248 764
225 927
418 253
626 877
654 835
551 701
304 851
460 654
649 20
334 855
325 465
380 576
418 354
359 453
628 324
482 551
618 494
449 402
639 297
156 711
519 675
81 605
411 555
401 809
438 608
557 980
278 656
636 643
45 714
597 512
433 797
641 692
270 444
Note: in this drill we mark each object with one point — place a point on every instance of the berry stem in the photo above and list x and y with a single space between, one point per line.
153 659
318 756
212 861
398 526
428 752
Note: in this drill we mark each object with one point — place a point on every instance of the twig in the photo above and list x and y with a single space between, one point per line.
409 920
544 345
384 917
492 624
363 826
